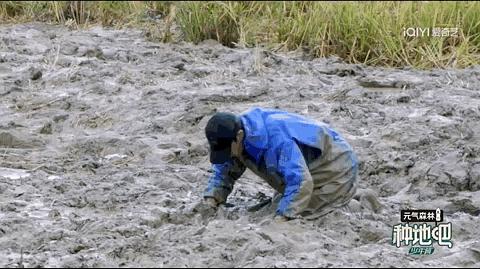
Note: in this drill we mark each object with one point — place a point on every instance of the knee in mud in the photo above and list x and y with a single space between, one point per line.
368 198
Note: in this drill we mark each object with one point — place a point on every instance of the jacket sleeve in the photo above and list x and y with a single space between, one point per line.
220 184
298 181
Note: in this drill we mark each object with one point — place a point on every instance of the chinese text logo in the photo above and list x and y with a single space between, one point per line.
421 237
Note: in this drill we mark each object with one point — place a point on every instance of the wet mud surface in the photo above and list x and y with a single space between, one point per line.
103 158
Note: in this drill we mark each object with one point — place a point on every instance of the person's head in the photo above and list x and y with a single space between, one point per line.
225 136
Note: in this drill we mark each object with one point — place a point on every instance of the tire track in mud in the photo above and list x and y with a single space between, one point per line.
103 158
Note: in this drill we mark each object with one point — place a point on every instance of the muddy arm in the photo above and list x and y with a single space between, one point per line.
220 184
298 181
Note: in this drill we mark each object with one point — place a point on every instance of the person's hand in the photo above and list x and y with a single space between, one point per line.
211 202
206 207
280 219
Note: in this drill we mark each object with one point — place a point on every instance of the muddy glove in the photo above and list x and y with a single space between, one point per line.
209 201
207 207
280 219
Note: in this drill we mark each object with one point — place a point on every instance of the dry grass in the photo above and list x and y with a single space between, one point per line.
359 32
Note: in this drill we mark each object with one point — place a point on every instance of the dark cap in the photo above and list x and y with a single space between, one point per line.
221 131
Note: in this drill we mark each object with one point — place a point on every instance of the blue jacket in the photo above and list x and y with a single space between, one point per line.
279 147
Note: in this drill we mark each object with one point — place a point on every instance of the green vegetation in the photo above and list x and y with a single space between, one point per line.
366 32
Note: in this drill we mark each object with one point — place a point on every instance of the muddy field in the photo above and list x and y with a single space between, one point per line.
103 157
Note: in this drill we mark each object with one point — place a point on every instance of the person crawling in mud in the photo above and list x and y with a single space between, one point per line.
312 168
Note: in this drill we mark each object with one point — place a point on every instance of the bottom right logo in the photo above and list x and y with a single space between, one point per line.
415 231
